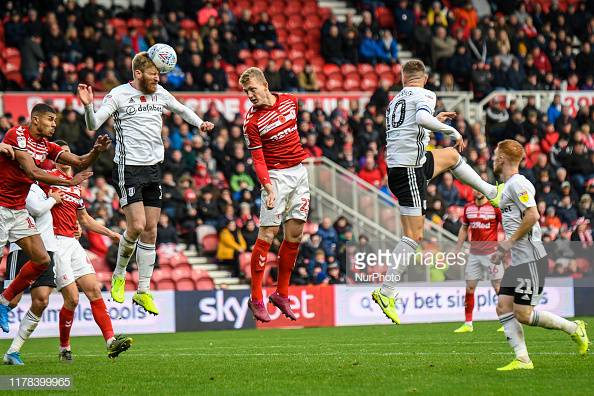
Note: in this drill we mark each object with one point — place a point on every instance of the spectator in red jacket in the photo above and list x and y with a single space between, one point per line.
310 146
541 61
371 173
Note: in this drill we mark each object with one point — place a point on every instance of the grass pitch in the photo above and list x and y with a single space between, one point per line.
425 359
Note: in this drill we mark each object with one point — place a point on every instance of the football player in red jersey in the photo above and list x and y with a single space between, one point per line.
73 267
480 223
270 130
30 147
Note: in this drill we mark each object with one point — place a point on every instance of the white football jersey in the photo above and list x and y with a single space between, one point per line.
39 203
137 123
517 196
406 141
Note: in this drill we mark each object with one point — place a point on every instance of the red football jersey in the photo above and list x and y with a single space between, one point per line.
14 183
65 214
274 129
483 222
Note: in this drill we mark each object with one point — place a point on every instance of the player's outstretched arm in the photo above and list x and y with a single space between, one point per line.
426 120
33 172
188 115
95 120
84 161
89 223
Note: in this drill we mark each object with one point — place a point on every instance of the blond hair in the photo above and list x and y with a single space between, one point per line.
142 62
413 66
512 150
251 73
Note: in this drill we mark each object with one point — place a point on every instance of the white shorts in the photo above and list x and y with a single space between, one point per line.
71 262
292 196
15 225
480 267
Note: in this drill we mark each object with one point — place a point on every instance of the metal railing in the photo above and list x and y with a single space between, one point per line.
374 213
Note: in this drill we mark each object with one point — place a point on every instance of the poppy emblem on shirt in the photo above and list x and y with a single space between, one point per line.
143 99
282 119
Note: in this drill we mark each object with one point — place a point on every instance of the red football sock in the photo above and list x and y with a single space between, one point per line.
469 306
257 264
27 275
286 261
102 318
66 318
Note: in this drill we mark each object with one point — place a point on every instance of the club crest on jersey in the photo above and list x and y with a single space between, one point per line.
131 191
282 119
22 142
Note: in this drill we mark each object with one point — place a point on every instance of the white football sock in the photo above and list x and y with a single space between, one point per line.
549 320
28 325
145 258
402 254
464 172
515 336
125 251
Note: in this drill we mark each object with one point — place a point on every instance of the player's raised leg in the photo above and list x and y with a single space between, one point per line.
450 159
116 344
145 259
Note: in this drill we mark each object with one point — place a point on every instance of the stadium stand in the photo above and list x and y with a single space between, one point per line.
208 179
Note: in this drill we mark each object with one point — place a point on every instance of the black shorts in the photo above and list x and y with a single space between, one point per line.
17 259
525 282
409 185
138 184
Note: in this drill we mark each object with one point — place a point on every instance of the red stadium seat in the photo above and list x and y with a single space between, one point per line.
278 54
397 69
279 20
348 69
205 229
293 8
324 13
15 76
368 84
309 24
185 285
351 84
241 68
295 54
365 68
388 76
301 47
188 24
382 68
205 283
310 10
294 23
318 61
117 22
309 54
384 18
331 68
131 285
209 244
334 84
244 53
260 54
276 8
293 39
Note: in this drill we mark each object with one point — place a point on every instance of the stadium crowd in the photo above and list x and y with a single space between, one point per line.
534 45
208 179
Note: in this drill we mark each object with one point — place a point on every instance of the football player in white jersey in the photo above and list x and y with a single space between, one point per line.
523 282
409 121
137 109
39 205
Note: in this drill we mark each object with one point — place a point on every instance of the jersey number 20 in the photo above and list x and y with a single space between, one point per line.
396 118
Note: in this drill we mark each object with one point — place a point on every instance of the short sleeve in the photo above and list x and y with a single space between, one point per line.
17 142
53 151
522 194
252 136
426 101
463 218
81 204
